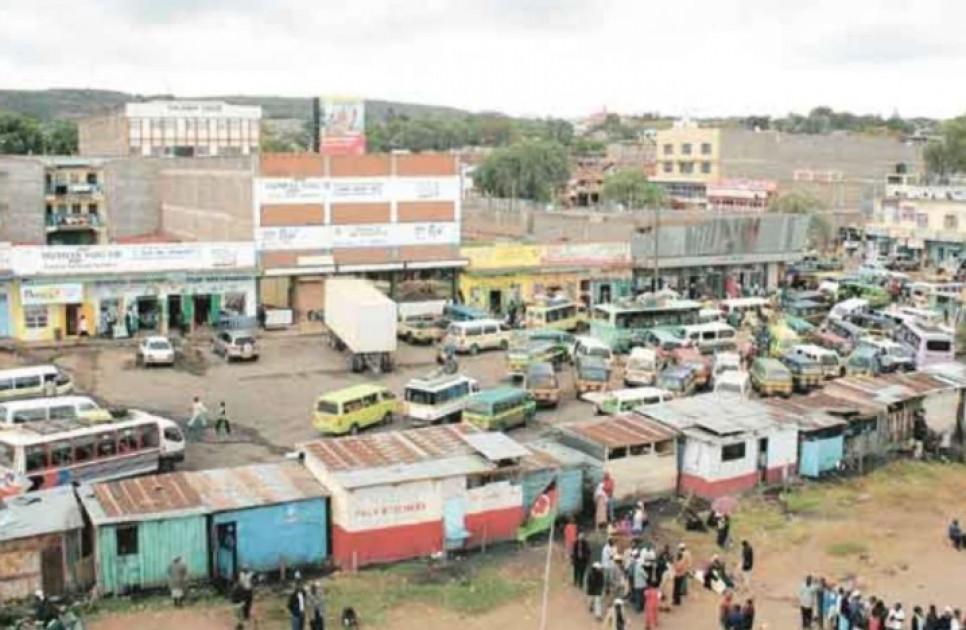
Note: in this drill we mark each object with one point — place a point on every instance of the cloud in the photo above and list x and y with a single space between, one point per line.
882 44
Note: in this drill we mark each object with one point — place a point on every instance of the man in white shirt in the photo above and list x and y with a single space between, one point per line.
896 619
607 555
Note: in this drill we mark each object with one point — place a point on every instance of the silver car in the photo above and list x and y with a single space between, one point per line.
235 344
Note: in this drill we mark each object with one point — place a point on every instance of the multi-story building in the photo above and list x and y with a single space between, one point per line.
841 170
173 129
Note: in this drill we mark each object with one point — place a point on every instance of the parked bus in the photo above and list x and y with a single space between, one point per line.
438 397
60 452
33 382
558 313
929 343
620 324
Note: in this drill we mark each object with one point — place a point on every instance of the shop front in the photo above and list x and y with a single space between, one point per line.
49 311
499 275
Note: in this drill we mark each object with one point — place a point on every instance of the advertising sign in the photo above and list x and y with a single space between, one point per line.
587 254
99 259
387 506
342 126
33 294
319 190
362 235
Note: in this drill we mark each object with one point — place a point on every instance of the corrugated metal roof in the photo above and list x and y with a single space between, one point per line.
623 430
888 389
495 446
803 413
226 489
133 499
707 413
39 513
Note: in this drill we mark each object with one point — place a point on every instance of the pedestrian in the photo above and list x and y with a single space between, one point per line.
82 330
595 590
246 590
748 615
198 421
747 563
932 618
297 604
736 618
806 599
688 566
221 420
570 536
820 590
608 562
316 607
579 558
724 529
652 605
639 581
845 611
639 520
178 581
680 576
831 607
608 485
724 611
600 507
918 619
956 535
615 619
896 619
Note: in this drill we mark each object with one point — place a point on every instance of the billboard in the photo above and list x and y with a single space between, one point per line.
342 126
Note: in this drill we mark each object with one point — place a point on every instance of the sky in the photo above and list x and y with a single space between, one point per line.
523 57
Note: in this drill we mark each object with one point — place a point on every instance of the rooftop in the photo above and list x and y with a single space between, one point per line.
224 489
887 389
623 430
706 414
40 513
142 498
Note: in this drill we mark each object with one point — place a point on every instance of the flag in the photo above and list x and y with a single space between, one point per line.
542 513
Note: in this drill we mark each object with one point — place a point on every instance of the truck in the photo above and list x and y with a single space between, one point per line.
362 322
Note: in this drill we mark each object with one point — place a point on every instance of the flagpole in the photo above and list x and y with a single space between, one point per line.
546 576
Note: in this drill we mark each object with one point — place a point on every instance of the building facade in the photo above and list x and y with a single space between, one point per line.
925 222
173 129
394 219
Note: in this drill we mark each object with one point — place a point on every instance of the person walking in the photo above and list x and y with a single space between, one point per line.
748 615
246 592
570 536
178 581
580 558
639 582
608 562
198 421
724 530
747 563
600 507
616 619
595 590
918 619
806 600
221 421
315 607
955 533
82 330
297 604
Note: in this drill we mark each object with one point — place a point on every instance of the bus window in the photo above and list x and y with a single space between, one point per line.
6 384
127 441
938 345
83 449
36 458
106 445
6 456
27 382
22 416
61 454
62 412
149 435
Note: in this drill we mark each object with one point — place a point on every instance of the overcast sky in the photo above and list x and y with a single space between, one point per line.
537 57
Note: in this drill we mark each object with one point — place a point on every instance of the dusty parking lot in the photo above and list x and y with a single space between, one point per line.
270 401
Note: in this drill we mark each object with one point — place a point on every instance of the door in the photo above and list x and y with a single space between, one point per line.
762 460
496 301
4 316
605 294
71 317
454 526
226 555
52 571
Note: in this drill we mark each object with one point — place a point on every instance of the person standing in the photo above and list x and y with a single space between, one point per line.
747 563
199 419
615 616
608 486
607 561
639 582
639 520
570 536
297 604
748 615
806 600
956 535
918 619
652 605
724 529
688 567
316 607
82 330
595 590
221 421
896 620
580 558
246 590
680 577
178 581
600 507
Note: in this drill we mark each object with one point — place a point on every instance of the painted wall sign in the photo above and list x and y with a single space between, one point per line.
32 294
319 190
68 260
363 235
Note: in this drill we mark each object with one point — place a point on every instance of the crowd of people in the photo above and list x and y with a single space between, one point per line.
827 606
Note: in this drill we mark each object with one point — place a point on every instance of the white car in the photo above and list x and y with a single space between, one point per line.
155 351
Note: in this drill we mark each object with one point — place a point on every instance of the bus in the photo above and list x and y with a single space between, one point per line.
623 324
33 382
438 397
72 450
929 343
558 313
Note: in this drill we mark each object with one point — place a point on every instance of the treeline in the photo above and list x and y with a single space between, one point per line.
26 135
826 120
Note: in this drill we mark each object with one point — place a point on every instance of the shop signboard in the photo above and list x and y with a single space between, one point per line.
342 126
503 257
321 190
587 254
362 235
378 507
35 294
125 259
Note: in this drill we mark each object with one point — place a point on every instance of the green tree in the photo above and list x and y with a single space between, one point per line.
60 137
20 135
630 188
947 156
802 202
531 169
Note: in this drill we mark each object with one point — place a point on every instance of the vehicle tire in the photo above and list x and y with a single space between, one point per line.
598 411
387 419
474 350
354 429
504 344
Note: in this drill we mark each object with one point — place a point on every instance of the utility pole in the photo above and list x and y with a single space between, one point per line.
656 231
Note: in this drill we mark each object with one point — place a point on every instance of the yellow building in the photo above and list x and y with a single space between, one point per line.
688 153
500 274
928 222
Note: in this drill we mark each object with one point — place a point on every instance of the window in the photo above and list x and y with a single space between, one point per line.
61 454
705 148
23 416
36 458
61 412
35 316
668 149
127 540
6 384
106 445
686 148
83 449
922 220
950 222
686 167
127 441
732 452
7 453
26 382
705 167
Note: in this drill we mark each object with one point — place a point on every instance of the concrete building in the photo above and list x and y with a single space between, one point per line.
208 200
173 129
394 219
926 222
840 169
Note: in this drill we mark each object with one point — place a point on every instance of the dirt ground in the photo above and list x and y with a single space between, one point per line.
885 531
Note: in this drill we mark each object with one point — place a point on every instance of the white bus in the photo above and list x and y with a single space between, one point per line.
60 452
929 343
16 412
33 382
438 397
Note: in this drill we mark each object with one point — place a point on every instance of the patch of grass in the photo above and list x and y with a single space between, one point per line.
847 548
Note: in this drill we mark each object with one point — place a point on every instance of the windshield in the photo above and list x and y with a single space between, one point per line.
938 345
542 381
593 374
420 397
640 363
244 341
673 382
479 407
328 407
828 359
159 345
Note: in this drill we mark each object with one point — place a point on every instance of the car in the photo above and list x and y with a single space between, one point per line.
769 376
235 344
155 351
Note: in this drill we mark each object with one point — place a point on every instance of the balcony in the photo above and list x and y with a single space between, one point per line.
70 221
59 190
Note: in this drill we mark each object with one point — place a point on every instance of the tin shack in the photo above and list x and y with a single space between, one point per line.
41 545
407 494
265 517
640 454
727 446
141 525
821 435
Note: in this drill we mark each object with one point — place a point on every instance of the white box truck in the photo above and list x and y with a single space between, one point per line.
361 321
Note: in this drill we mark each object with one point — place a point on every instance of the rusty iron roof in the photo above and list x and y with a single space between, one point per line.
170 495
628 429
803 413
225 489
887 389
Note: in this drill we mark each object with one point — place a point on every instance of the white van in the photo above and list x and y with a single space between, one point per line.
33 382
591 346
733 382
476 335
829 360
626 400
438 397
713 337
843 309
642 367
17 412
710 316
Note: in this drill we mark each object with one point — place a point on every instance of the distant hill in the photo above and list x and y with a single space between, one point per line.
74 103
